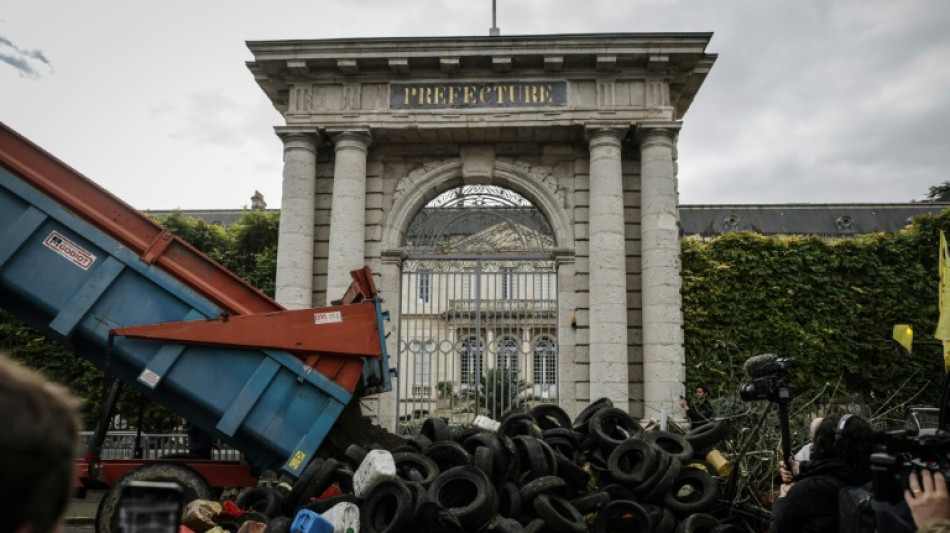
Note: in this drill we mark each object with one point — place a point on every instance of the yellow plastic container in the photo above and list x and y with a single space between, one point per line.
718 461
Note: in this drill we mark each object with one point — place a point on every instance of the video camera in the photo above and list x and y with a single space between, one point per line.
907 452
770 381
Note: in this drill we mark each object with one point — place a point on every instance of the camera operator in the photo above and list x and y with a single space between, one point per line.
929 502
840 458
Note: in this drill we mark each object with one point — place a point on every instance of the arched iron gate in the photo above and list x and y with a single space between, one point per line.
477 330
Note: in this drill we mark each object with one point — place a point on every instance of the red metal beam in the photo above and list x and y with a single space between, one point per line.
346 330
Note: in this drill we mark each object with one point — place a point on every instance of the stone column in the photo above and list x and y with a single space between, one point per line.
663 353
609 375
294 284
348 211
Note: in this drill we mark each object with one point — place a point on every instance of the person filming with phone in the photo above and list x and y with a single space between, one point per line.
702 411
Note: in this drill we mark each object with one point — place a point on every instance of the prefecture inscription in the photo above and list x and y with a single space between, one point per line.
462 95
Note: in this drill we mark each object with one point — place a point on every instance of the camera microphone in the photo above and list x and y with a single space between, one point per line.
763 365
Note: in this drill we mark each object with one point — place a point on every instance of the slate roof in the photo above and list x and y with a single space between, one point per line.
823 220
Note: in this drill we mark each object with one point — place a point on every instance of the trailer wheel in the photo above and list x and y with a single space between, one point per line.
194 487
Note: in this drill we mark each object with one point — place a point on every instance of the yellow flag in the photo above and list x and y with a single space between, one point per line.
943 324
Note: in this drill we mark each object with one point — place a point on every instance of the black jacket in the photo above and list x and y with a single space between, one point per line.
811 505
700 413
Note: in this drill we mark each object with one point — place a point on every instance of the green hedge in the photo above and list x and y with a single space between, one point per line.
829 305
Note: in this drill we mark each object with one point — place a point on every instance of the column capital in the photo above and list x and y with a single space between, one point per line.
662 133
605 133
355 138
300 139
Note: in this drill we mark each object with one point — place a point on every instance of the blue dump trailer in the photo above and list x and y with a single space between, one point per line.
88 270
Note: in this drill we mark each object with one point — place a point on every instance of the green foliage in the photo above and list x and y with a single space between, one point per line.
939 193
831 306
248 248
500 388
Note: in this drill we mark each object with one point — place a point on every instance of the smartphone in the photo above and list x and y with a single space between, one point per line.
149 507
682 398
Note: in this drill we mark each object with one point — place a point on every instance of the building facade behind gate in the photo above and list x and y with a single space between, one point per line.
515 197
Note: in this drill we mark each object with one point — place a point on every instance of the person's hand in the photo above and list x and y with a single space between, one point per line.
683 403
928 498
788 474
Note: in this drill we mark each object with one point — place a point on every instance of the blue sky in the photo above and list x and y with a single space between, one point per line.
810 101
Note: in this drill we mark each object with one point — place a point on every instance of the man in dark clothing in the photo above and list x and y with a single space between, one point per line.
841 458
702 412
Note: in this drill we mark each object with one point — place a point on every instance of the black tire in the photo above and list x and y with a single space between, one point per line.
500 524
665 483
612 426
509 500
673 444
194 487
708 434
542 485
420 442
354 455
289 506
420 495
591 503
726 528
415 467
433 518
532 457
463 435
550 416
559 514
466 492
535 526
324 505
436 429
623 515
693 491
581 423
388 508
697 523
262 499
448 454
319 482
667 523
576 477
281 524
632 462
485 461
618 492
501 459
663 462
563 441
520 424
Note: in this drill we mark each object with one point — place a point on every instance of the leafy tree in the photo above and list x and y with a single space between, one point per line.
939 193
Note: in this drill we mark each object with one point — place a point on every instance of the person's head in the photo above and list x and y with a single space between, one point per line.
37 449
702 392
813 428
846 438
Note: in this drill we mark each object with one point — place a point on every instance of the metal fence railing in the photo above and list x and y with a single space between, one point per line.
121 445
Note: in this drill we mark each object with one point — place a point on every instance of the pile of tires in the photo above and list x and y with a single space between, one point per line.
539 472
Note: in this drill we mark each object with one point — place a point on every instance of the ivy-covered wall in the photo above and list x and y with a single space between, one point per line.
829 305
